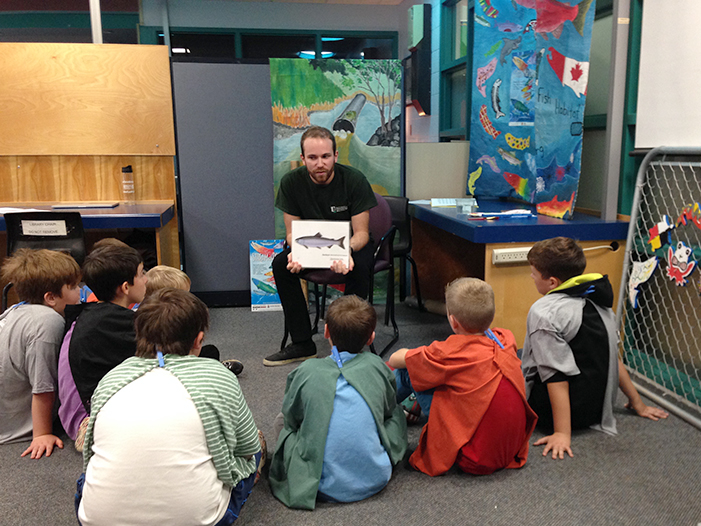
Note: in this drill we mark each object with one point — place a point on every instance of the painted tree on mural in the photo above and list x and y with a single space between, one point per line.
379 78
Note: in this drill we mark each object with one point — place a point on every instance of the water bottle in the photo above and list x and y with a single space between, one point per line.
128 196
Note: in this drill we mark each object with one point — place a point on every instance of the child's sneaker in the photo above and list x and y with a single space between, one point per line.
263 456
80 437
412 409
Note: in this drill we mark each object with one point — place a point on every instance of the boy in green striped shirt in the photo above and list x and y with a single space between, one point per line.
170 433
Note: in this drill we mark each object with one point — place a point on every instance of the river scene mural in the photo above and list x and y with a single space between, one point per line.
359 100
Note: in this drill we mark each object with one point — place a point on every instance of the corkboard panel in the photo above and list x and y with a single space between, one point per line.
85 99
78 178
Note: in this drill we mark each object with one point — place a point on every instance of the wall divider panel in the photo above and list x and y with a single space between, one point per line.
225 158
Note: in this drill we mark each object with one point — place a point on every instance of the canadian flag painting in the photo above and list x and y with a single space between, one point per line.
572 73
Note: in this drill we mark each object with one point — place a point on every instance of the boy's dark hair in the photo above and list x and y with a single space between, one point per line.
108 266
559 257
317 132
169 320
351 322
471 301
36 272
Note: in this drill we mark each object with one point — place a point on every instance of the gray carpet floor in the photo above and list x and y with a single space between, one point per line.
649 474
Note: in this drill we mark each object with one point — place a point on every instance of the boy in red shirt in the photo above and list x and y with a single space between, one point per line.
471 388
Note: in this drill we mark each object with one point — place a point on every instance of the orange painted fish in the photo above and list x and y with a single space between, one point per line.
555 208
487 124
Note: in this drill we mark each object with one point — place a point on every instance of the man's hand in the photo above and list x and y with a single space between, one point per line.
340 268
293 266
43 444
646 411
558 443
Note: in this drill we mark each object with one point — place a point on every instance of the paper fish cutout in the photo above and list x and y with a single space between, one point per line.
483 75
496 103
509 157
487 124
519 184
517 143
551 15
680 264
657 231
555 208
472 180
488 9
491 161
641 272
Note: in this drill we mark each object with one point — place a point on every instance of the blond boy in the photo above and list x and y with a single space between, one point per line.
471 388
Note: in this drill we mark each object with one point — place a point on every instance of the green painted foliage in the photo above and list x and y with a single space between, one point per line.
296 83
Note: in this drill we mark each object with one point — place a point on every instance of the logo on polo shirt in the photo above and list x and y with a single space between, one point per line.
336 209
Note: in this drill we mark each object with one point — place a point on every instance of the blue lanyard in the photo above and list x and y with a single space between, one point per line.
161 361
492 336
336 356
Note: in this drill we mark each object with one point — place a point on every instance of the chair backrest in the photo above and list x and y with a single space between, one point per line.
399 207
380 223
61 231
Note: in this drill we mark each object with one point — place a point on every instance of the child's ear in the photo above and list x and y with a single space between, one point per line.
50 299
454 323
197 344
554 282
123 289
372 338
327 335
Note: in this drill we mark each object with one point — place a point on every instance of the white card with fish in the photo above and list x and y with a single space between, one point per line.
317 244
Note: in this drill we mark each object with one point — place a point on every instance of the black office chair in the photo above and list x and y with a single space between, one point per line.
61 231
402 245
382 232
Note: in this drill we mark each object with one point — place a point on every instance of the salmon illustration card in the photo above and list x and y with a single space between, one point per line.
317 244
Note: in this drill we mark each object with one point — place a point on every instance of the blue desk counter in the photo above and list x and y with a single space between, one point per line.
582 227
151 215
148 215
446 245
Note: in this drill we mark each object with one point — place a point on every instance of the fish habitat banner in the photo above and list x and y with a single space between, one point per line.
359 100
264 296
530 73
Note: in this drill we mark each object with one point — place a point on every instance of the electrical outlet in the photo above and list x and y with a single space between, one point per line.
510 256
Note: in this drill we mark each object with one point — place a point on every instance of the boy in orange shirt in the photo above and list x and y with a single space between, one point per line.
471 388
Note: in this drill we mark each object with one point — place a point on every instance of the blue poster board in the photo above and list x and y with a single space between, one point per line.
530 74
264 294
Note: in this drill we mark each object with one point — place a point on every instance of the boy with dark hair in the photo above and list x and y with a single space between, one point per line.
99 335
471 388
343 430
30 335
570 356
170 433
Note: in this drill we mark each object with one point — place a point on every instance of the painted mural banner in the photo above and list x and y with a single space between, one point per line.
530 74
359 100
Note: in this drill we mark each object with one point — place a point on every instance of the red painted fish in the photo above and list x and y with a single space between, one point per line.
551 15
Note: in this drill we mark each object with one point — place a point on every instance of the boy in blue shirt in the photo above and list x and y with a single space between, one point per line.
343 429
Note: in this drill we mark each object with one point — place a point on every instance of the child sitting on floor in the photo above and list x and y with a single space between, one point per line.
343 430
470 387
30 336
99 335
570 356
163 276
171 439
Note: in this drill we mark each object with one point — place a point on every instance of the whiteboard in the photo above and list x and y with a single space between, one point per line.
669 85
